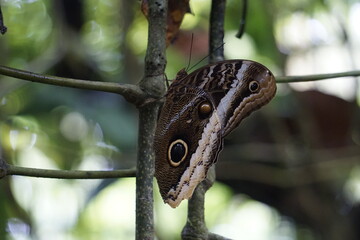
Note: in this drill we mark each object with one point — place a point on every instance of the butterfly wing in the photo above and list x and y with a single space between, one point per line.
200 109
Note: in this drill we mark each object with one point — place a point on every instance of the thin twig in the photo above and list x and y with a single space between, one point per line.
316 77
131 93
216 33
11 170
3 28
134 94
243 19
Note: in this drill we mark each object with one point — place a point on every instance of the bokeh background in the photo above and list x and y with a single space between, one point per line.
290 172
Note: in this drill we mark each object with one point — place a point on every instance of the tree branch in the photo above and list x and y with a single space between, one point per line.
3 28
216 38
195 227
131 93
316 77
153 85
10 170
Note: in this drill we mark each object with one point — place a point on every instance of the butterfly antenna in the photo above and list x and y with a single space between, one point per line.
167 81
205 57
191 45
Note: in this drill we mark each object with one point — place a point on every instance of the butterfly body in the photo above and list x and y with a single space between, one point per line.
200 109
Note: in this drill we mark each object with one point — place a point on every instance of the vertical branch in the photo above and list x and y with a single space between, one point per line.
217 17
153 85
145 172
2 26
195 227
241 31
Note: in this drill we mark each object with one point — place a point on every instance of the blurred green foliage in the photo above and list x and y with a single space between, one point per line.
47 126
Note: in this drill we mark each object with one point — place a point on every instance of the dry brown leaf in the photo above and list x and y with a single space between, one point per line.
176 11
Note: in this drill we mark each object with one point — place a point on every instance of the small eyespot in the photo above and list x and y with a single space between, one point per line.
205 109
253 86
177 152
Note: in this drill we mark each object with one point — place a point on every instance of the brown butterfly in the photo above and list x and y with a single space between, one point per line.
200 109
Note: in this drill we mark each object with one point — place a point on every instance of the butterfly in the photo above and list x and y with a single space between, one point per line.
200 109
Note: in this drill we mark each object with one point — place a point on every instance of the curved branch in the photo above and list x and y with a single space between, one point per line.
130 92
317 77
9 170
